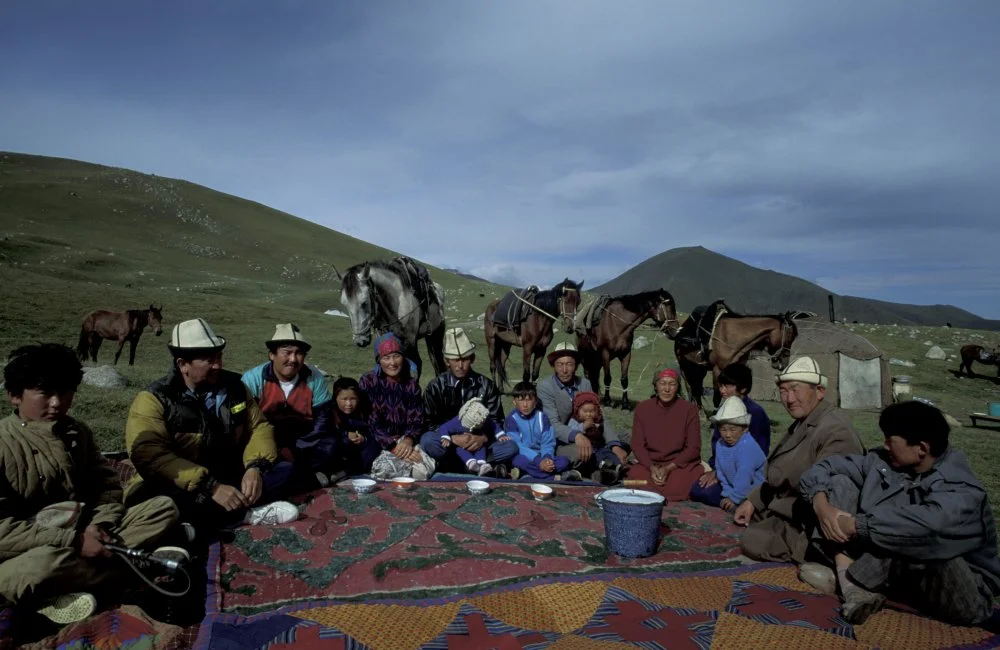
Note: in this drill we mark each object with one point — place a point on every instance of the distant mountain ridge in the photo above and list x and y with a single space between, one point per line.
697 276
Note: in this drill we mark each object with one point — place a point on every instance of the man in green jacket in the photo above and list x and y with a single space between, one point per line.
198 436
60 501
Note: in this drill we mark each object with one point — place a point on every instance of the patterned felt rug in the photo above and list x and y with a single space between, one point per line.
745 607
438 539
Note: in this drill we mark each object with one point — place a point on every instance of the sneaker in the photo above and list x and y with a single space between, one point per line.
172 553
859 604
420 472
515 473
572 475
337 477
69 608
610 474
485 469
322 479
189 531
470 465
557 477
272 514
819 576
501 471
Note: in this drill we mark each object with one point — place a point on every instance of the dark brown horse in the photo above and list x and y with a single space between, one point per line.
611 336
118 326
558 303
727 338
978 353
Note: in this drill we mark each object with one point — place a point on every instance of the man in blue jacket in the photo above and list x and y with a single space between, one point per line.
911 518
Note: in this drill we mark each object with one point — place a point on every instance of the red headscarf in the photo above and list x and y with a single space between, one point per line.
668 372
587 397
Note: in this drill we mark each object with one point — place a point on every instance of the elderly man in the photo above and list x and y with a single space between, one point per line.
444 397
294 398
778 521
197 436
556 394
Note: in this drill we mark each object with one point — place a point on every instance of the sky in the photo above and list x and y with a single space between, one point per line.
855 144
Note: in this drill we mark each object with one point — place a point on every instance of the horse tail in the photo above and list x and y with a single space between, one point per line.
498 363
84 343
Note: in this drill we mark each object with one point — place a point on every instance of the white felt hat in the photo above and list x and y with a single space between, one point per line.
195 334
732 411
457 344
803 369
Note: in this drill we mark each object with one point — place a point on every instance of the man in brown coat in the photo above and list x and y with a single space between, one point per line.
778 521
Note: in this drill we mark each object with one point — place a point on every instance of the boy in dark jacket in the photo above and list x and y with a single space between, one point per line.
910 519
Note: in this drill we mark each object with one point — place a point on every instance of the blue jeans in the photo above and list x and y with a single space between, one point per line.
498 453
531 468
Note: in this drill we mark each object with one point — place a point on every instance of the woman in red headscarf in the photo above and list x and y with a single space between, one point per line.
666 439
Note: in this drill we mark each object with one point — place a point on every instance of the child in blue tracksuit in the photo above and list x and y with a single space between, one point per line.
536 441
473 417
739 460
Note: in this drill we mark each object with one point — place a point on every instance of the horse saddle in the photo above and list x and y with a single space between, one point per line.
588 318
697 331
419 278
512 310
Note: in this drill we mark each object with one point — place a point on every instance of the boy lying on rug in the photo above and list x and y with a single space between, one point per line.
60 500
911 517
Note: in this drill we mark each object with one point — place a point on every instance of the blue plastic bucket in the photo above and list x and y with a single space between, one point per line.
995 409
631 521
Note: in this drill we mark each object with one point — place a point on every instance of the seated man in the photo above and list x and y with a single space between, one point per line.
198 436
296 401
444 397
735 380
911 519
60 501
778 521
555 394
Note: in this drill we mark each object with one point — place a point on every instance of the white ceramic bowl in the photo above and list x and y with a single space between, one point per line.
478 487
363 485
541 492
403 482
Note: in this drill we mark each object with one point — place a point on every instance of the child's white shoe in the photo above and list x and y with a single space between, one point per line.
485 469
272 514
471 465
69 608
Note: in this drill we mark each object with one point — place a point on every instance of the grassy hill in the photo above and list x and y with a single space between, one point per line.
76 237
697 276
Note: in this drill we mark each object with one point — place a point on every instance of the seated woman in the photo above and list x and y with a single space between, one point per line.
397 412
666 440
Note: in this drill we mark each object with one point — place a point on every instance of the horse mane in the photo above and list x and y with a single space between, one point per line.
548 300
640 302
351 284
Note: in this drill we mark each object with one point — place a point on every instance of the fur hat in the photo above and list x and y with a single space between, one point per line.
195 334
473 414
457 344
732 411
287 333
564 350
803 369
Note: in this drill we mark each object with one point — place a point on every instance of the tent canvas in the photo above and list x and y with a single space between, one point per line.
857 371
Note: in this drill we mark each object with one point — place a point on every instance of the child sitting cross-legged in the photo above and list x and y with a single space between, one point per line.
536 441
60 500
739 460
609 455
910 520
474 418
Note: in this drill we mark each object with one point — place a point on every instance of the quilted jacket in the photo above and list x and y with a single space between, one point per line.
42 463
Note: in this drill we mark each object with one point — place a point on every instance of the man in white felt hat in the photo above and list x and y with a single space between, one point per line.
444 397
556 393
296 401
198 436
778 521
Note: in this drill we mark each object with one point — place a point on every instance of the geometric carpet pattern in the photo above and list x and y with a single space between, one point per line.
754 606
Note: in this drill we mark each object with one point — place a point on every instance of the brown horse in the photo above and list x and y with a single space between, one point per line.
978 353
611 337
118 326
558 303
728 338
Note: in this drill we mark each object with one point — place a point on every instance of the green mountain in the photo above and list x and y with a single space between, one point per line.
697 276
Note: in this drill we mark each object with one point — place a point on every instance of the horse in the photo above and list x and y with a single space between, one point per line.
730 337
536 326
611 336
399 297
978 353
118 326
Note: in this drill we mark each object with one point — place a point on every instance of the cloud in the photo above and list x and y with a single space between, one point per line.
840 141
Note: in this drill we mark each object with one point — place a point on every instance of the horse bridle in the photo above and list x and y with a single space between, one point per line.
666 322
562 305
786 325
370 322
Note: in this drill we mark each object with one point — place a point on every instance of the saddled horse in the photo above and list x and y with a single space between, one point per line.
611 335
118 326
533 332
399 297
978 353
721 336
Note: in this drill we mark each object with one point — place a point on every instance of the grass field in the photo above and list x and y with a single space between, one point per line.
76 237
